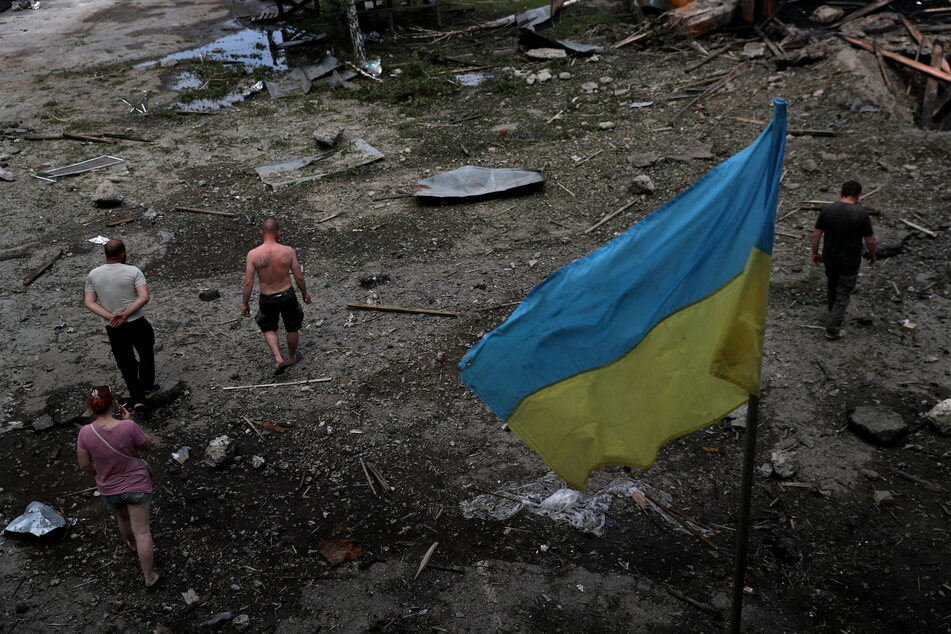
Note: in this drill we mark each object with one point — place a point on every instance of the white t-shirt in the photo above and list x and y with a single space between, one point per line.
115 286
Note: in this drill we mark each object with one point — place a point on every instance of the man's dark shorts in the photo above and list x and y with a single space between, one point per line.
279 305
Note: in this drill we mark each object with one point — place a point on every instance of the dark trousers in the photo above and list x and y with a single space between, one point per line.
128 339
841 285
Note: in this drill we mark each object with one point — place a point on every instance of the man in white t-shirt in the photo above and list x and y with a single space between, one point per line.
117 291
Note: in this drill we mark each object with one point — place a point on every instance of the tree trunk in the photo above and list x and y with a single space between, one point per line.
356 37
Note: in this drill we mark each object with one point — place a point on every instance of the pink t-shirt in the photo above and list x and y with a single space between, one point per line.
115 474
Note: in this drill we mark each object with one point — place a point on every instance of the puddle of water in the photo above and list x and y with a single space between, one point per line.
472 79
180 81
206 105
251 47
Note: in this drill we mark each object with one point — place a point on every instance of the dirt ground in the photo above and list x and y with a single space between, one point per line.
824 556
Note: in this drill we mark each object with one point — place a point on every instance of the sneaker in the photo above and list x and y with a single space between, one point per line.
149 391
834 334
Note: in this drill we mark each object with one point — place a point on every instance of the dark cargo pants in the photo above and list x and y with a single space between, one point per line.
841 285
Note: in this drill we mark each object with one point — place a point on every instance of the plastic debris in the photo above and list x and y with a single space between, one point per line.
181 455
372 67
98 240
38 519
549 497
471 181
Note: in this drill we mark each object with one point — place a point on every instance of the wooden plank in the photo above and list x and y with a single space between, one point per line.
915 33
401 309
120 221
875 6
87 137
928 232
194 210
937 73
29 279
250 387
931 89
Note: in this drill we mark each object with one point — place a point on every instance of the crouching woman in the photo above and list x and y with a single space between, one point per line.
108 448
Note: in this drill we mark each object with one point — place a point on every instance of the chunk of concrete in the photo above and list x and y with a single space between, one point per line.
940 417
168 392
220 451
106 195
641 184
878 425
826 14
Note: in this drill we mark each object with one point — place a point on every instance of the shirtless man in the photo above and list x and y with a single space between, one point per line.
273 264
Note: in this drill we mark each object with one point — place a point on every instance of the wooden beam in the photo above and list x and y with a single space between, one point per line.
401 309
29 279
927 232
921 39
931 89
120 221
937 73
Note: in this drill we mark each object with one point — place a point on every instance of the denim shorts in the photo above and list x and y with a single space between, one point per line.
134 498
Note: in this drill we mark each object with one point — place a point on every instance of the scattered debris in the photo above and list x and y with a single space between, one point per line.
216 622
584 512
471 181
38 520
354 154
884 498
78 168
249 387
426 558
257 462
106 195
100 240
220 451
181 455
295 83
784 463
611 215
931 486
324 67
401 309
337 551
209 295
29 279
328 139
209 212
878 425
940 417
546 53
641 184
191 597
7 176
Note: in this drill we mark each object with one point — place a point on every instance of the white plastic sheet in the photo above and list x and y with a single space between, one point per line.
549 497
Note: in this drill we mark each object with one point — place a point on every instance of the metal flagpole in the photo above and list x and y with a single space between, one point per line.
742 527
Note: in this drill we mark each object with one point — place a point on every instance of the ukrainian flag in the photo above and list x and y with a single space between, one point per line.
653 336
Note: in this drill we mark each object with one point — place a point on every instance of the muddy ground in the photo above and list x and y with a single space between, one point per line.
824 556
